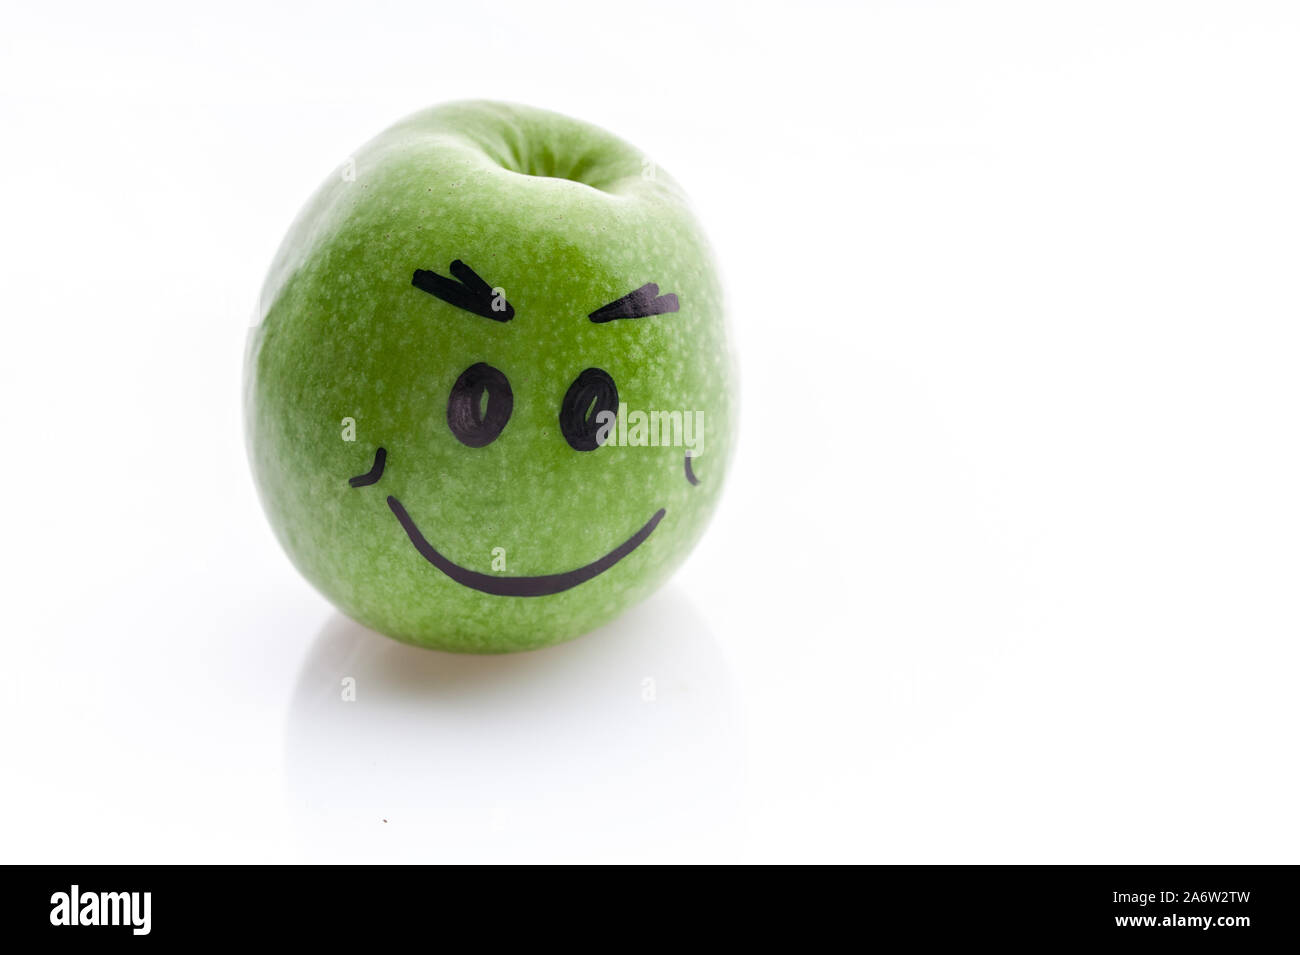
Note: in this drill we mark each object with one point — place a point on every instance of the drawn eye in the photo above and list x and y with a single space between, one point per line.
592 392
480 405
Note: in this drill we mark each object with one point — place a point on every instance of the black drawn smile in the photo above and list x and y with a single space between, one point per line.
520 586
539 586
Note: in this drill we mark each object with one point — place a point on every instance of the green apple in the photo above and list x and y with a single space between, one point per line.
489 399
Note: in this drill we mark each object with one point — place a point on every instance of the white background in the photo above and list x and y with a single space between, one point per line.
1007 566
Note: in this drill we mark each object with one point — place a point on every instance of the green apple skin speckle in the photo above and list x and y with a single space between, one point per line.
563 218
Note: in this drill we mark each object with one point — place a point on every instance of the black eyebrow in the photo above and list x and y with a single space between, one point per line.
642 303
470 293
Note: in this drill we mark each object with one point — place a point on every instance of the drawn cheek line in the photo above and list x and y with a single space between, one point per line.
690 472
374 474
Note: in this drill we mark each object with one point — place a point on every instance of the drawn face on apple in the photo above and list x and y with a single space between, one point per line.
541 431
479 408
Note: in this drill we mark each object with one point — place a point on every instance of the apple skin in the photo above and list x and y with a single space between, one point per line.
564 218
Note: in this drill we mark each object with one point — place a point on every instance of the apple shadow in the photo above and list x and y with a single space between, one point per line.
625 740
